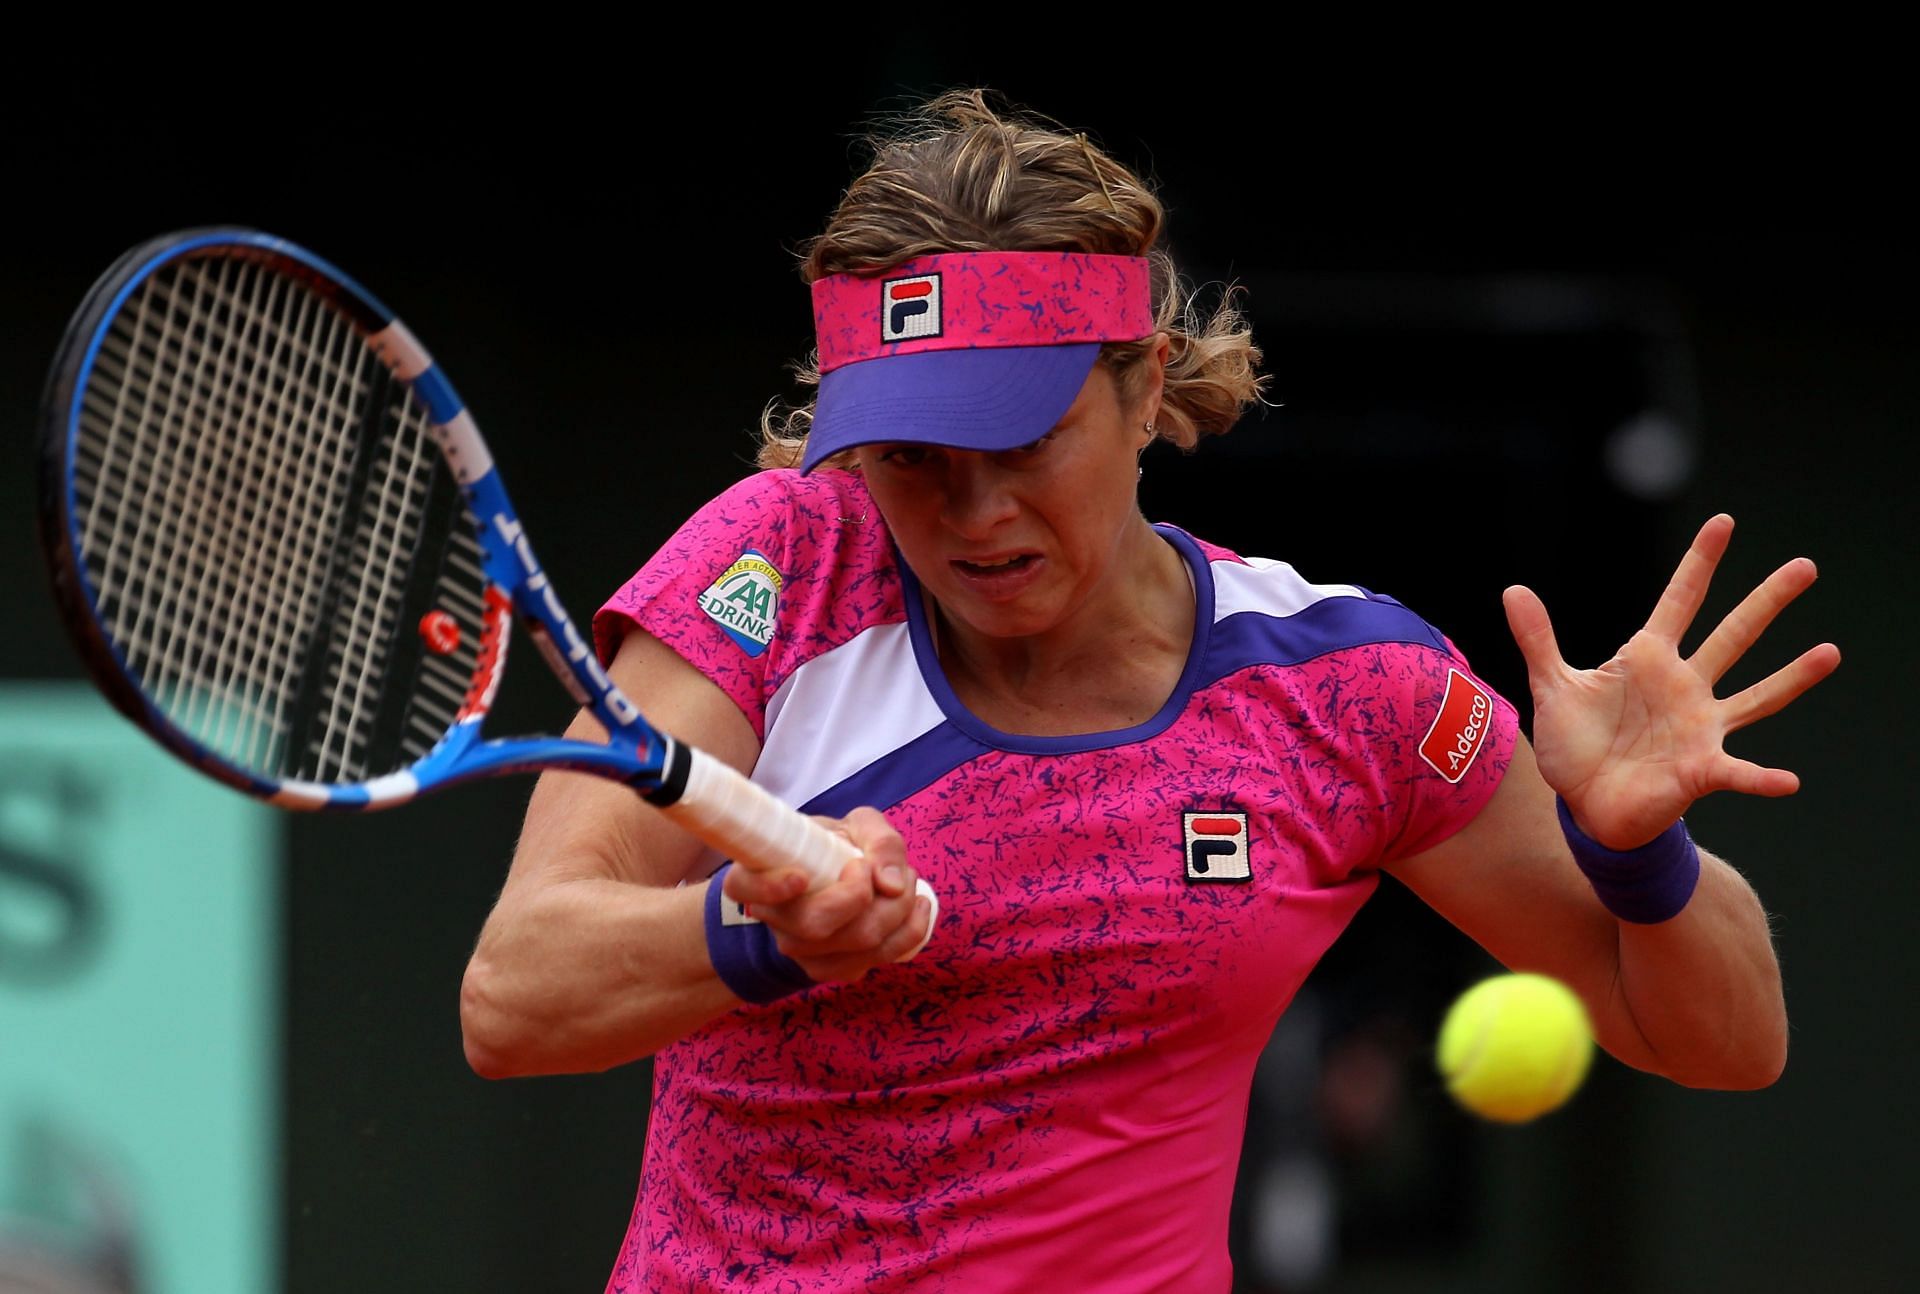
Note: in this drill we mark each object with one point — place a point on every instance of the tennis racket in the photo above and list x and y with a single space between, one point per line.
284 551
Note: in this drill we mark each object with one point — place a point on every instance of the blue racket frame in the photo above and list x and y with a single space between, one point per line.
635 753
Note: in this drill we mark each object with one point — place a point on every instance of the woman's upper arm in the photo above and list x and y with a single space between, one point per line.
579 825
1508 881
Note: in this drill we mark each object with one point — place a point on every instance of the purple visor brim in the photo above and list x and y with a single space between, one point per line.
987 399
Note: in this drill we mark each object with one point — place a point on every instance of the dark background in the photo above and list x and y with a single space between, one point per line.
1469 274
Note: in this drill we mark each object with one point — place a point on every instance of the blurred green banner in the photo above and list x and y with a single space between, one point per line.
139 995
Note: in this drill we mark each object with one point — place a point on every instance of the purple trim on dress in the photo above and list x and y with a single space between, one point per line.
987 735
900 772
1249 638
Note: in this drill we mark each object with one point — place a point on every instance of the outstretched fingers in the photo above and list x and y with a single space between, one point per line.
1688 587
1745 623
1533 632
1779 689
1749 778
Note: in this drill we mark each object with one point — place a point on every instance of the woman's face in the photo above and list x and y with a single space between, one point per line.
1012 543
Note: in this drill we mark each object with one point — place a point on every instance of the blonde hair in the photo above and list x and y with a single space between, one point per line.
959 175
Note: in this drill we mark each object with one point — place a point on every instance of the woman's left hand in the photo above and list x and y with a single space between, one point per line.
1630 745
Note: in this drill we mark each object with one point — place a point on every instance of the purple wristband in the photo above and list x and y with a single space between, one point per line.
1645 885
745 955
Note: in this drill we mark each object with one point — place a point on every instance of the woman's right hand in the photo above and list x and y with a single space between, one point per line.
869 916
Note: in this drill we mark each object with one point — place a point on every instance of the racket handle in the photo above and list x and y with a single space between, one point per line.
763 834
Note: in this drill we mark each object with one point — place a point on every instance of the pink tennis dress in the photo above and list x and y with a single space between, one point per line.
1054 1092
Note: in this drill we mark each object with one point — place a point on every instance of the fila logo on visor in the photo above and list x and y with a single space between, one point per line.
1217 846
910 308
1460 729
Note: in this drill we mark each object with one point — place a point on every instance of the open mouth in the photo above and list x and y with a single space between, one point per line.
1000 566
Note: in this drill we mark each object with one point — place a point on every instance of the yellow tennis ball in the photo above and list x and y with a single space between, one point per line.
1515 1046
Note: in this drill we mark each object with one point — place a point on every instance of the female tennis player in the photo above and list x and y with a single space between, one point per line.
1151 781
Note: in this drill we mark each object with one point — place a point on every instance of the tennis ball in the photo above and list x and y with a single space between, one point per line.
1515 1046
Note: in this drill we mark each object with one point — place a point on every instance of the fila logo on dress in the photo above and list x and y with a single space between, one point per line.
1217 846
910 308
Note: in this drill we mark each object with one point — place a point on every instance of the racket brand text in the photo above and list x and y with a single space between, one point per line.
578 653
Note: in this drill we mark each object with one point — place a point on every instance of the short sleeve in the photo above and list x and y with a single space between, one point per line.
774 570
1454 738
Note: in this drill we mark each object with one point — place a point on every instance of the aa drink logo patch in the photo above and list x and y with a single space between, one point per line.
1217 846
910 308
745 601
1460 729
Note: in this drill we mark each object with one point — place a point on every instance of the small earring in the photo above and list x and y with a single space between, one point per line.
1151 431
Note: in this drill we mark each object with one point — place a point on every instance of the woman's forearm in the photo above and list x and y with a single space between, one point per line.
581 975
1703 988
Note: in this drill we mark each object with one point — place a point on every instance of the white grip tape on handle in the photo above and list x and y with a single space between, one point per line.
760 832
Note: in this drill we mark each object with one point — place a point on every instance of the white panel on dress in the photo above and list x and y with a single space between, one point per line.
1269 587
843 710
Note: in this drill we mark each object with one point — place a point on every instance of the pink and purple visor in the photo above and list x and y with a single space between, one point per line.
972 350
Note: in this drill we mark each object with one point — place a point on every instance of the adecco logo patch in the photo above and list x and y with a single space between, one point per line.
1460 729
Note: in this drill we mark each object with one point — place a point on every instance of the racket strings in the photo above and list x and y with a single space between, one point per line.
447 680
212 430
240 546
285 548
389 696
358 658
258 508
